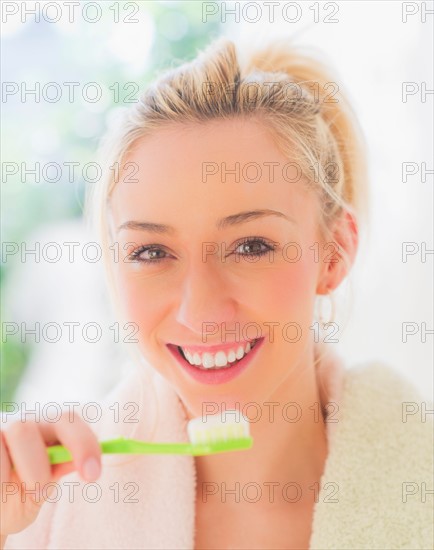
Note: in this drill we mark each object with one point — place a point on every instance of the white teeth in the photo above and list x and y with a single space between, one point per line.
231 356
220 359
208 360
239 353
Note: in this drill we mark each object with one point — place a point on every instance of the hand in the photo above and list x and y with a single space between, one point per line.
25 465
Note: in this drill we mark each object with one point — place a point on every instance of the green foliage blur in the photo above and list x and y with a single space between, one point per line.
63 131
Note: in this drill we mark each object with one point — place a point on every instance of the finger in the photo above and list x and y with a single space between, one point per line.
78 437
28 453
8 467
5 463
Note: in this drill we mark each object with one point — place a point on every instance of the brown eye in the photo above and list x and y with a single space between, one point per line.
146 254
254 247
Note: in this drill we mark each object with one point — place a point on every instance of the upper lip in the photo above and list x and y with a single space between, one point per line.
217 347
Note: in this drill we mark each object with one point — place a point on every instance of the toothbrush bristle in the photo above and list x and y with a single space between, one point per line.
217 428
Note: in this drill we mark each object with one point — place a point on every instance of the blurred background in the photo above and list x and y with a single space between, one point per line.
374 49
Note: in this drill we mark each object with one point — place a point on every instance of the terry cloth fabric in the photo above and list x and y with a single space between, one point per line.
381 465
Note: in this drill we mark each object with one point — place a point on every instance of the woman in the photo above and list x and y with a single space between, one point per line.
234 194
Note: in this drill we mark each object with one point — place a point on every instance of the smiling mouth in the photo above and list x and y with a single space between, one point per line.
217 361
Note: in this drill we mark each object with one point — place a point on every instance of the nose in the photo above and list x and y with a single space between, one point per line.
205 299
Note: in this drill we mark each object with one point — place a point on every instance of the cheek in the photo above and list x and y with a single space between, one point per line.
144 306
288 294
139 304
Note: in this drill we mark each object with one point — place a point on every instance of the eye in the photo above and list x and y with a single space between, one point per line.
255 246
153 252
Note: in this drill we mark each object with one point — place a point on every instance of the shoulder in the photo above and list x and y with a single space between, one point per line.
379 379
379 465
384 416
378 401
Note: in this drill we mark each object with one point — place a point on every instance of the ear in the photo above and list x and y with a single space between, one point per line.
339 253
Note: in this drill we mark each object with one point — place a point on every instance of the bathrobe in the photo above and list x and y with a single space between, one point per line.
375 491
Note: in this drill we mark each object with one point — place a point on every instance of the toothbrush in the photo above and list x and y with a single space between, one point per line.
207 436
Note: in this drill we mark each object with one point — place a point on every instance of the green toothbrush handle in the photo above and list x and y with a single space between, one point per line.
59 454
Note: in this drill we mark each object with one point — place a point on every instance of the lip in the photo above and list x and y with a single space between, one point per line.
220 376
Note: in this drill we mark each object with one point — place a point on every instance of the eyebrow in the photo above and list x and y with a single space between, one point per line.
231 220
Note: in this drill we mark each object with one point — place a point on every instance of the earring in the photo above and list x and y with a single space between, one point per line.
330 317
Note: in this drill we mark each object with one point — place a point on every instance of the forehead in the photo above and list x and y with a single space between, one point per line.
207 168
178 147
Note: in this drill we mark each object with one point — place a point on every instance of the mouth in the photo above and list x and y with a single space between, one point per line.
218 367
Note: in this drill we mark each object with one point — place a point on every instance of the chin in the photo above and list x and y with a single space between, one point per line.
218 403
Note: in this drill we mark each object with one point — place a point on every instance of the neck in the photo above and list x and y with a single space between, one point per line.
290 446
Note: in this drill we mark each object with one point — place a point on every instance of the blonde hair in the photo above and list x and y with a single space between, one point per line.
291 93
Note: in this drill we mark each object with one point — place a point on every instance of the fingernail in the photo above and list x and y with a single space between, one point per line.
91 469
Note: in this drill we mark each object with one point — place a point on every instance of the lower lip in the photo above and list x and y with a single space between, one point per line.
214 376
